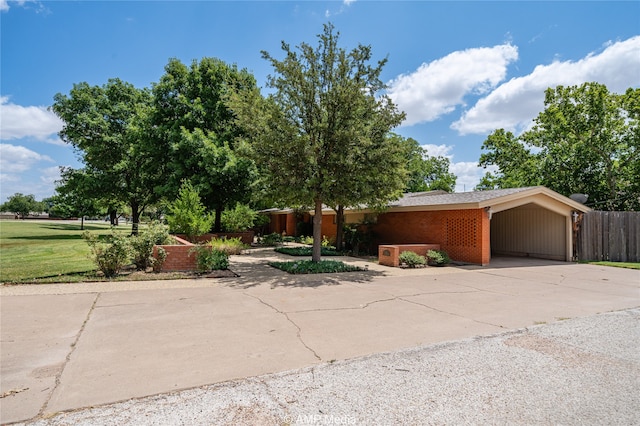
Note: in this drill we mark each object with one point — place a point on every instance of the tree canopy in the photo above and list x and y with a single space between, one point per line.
587 140
426 172
106 124
322 136
197 132
22 205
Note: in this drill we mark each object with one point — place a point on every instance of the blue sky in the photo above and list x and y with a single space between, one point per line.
458 69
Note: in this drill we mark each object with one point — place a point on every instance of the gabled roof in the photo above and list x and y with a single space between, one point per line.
434 198
496 199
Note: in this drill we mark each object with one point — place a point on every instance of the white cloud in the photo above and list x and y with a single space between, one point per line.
468 174
17 159
349 2
438 150
50 175
438 87
514 104
30 121
37 5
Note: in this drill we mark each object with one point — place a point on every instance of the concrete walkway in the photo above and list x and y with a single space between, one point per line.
77 345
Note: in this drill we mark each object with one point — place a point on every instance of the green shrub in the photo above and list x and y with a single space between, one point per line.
306 239
187 215
208 259
228 245
411 259
438 257
142 244
307 251
238 219
271 240
112 255
326 242
310 267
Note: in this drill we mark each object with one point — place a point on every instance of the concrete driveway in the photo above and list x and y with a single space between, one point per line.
78 345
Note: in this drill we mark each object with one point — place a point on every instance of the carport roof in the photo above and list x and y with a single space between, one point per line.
440 200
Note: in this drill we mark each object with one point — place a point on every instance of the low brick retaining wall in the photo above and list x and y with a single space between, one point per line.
388 255
245 237
179 256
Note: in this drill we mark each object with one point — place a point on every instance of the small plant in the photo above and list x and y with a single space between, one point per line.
438 258
308 240
187 215
228 245
310 267
271 240
111 256
142 244
238 219
411 259
208 259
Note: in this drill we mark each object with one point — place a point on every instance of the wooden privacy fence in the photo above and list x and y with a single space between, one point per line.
613 236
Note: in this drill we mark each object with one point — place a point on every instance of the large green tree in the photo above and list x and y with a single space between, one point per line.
587 140
108 125
197 131
426 172
22 205
321 136
76 194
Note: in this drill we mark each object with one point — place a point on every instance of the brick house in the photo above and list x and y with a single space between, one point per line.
469 226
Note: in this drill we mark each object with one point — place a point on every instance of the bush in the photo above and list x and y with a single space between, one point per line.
411 259
438 257
228 245
306 239
110 256
187 215
142 244
238 219
310 267
326 242
208 259
271 240
159 260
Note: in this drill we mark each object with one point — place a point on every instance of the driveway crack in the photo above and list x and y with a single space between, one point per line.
450 313
74 345
298 333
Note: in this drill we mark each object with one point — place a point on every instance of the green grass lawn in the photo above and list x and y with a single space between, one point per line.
629 265
37 249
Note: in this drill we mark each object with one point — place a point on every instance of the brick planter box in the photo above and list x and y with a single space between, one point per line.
388 255
179 256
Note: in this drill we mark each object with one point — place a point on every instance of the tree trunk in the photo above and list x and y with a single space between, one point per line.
82 223
339 227
113 217
317 232
135 217
217 226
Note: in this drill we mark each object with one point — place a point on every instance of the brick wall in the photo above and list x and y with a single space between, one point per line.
463 234
389 255
179 256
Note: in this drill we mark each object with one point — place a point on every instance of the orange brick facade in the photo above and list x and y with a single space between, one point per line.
180 257
463 234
